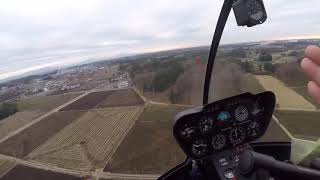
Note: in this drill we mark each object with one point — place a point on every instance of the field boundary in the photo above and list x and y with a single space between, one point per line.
11 134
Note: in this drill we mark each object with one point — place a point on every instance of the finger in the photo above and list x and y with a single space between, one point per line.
313 52
314 91
311 69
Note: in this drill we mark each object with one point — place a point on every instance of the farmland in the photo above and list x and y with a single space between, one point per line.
123 97
17 120
149 141
275 134
88 142
89 101
27 173
23 143
45 103
286 97
6 166
302 124
162 113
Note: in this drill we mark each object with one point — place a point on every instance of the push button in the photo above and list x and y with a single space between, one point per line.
229 175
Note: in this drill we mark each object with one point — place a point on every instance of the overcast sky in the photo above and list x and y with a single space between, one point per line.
43 33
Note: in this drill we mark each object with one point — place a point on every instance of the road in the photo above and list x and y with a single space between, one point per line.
94 174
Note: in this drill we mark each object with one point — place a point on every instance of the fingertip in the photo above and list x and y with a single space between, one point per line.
314 91
304 63
313 52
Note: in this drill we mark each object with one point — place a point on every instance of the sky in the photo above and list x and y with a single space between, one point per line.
37 34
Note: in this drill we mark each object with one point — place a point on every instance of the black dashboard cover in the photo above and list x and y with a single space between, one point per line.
224 124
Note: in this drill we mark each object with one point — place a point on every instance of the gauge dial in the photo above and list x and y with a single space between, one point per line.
206 124
188 132
199 148
253 129
237 135
241 113
218 141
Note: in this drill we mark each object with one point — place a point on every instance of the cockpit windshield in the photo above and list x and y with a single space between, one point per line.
89 89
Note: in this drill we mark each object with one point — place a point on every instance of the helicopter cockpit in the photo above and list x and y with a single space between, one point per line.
219 138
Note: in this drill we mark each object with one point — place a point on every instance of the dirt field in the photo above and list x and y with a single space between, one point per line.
6 166
89 101
17 120
286 97
26 173
24 142
303 91
45 103
123 97
89 142
149 141
152 150
301 124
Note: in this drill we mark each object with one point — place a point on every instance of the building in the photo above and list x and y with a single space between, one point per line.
123 84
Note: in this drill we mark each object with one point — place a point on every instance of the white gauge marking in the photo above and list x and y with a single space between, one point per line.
199 148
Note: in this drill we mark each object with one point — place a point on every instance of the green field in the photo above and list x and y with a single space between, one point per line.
45 103
161 112
301 124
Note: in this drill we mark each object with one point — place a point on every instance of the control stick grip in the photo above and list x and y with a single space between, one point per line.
250 160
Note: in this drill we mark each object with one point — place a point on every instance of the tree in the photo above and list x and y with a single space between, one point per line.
265 57
293 53
238 53
7 109
269 67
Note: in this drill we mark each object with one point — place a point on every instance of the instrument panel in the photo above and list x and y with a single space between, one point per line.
225 124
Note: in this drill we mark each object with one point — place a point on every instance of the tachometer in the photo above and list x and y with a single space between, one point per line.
188 132
241 113
237 135
199 148
218 141
206 124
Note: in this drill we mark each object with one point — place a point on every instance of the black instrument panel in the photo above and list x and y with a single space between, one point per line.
225 124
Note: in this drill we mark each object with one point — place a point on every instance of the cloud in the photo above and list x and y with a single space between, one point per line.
38 32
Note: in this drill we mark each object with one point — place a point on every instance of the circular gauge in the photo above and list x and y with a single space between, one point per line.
218 141
205 124
241 113
253 129
257 108
237 135
188 132
199 148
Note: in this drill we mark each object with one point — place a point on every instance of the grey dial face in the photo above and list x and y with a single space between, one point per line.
206 124
218 141
241 113
199 148
237 135
253 129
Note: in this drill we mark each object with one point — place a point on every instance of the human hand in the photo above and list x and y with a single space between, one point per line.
311 67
